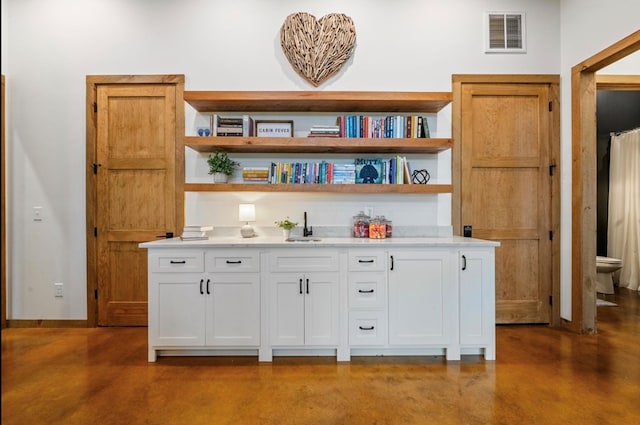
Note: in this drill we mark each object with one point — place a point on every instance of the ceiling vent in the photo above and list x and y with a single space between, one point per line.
505 32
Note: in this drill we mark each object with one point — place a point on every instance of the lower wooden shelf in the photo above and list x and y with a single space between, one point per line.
329 188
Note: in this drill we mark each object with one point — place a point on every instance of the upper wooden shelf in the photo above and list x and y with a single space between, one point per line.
316 145
317 101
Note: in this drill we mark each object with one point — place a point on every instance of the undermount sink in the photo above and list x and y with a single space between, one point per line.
302 239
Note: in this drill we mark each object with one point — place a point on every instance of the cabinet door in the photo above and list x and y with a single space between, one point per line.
422 297
477 297
321 308
233 309
286 304
176 309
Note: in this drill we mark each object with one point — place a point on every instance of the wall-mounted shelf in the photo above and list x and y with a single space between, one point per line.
317 101
316 145
328 188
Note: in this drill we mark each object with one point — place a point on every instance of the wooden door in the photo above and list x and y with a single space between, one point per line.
136 192
506 190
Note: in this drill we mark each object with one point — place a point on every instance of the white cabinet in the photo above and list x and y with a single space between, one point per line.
367 286
304 304
203 299
422 298
477 300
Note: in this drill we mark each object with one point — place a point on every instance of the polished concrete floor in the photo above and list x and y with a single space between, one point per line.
541 376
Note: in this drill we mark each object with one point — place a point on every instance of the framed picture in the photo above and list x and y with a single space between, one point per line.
279 128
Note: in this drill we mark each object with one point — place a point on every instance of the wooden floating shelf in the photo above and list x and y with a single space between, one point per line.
316 145
329 188
317 101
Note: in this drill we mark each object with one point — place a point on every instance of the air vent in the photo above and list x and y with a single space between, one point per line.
505 32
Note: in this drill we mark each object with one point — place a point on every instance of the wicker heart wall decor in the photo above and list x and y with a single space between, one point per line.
317 48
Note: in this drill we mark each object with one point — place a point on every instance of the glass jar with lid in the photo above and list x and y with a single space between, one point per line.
388 226
377 229
361 225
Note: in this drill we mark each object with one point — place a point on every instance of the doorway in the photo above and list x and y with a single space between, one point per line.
583 178
135 178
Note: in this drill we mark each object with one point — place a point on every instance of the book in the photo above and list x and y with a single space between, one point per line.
197 228
368 171
194 238
247 126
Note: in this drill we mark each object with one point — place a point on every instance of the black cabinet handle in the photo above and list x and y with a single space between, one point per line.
392 262
201 282
208 281
464 262
365 291
365 261
167 235
307 286
366 328
300 286
234 262
178 262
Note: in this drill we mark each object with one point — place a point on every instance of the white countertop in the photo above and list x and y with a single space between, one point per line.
329 242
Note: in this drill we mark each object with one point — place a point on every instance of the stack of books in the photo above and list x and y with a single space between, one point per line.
195 233
231 126
255 174
324 131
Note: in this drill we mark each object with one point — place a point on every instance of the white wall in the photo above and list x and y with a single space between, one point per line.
48 48
587 28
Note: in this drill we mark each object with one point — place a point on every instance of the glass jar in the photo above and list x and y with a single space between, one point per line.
377 229
361 225
388 226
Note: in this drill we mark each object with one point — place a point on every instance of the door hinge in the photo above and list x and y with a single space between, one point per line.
550 106
552 168
550 235
95 106
95 294
550 299
95 232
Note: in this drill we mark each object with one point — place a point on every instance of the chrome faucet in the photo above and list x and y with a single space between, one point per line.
306 231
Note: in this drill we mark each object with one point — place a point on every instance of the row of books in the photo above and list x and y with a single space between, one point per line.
395 170
394 126
195 232
232 126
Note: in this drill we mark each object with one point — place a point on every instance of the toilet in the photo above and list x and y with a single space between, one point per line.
605 267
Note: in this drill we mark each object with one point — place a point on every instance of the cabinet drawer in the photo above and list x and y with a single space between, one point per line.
367 290
231 260
365 260
181 261
307 260
367 328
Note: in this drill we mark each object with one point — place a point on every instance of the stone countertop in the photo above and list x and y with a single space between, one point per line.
328 242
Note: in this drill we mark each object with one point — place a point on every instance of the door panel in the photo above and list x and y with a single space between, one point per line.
136 192
506 191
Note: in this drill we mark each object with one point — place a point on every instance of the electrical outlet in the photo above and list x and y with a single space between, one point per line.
37 213
58 289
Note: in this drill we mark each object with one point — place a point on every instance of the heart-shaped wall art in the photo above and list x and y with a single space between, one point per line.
317 48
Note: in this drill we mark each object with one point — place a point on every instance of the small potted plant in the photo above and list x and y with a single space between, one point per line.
221 166
286 226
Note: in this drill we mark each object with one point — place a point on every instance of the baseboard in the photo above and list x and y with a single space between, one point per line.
46 323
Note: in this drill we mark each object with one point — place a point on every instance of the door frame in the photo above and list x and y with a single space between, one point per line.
583 178
554 157
92 82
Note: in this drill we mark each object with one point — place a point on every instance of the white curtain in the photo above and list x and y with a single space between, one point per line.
624 206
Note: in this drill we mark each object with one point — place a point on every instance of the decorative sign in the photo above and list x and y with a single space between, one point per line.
274 128
317 49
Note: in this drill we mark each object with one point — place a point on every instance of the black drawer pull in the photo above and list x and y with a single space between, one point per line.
366 291
234 262
178 262
365 261
366 328
300 285
208 281
201 282
464 262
